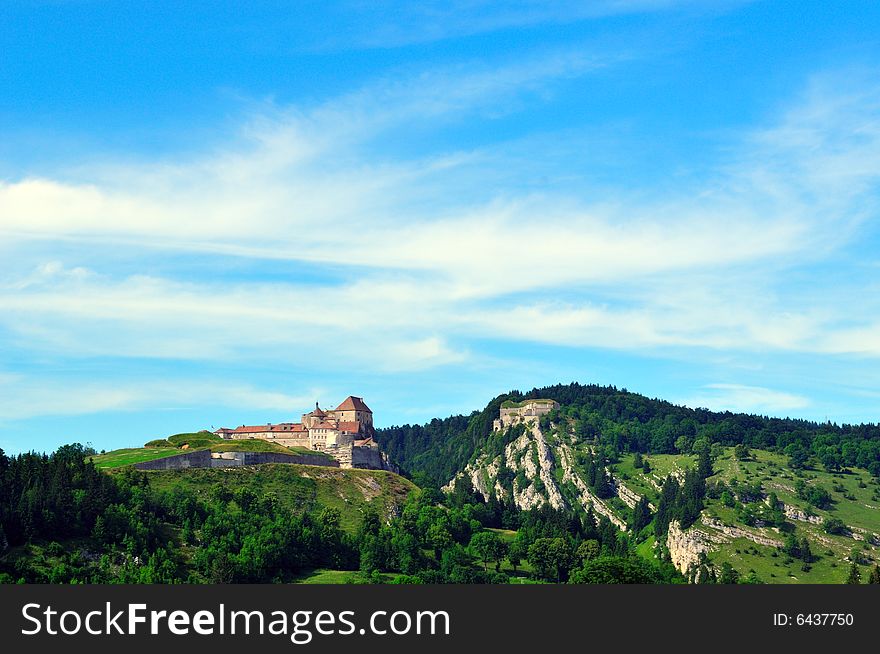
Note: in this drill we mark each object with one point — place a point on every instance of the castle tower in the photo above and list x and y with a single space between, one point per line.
312 418
355 415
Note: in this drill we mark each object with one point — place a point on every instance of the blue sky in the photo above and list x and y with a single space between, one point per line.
217 213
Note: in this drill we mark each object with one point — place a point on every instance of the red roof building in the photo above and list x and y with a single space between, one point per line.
352 403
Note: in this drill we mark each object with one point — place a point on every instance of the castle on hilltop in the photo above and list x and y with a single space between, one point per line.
346 433
526 411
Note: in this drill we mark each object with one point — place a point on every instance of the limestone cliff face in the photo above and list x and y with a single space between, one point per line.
585 495
545 473
529 454
547 466
544 468
685 547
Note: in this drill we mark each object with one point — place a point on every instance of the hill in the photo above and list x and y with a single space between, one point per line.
608 487
296 488
719 494
440 448
62 520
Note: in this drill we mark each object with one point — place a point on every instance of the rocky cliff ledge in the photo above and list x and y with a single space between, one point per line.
685 547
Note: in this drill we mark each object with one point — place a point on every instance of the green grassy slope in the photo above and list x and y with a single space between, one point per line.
299 488
131 455
856 501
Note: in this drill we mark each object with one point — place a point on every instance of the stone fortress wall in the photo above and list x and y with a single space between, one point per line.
208 459
525 411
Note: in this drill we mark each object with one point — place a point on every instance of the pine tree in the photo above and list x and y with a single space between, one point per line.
875 575
666 507
641 515
855 577
704 464
728 574
806 552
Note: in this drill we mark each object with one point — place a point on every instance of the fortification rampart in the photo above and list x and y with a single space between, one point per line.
526 411
371 458
196 459
208 459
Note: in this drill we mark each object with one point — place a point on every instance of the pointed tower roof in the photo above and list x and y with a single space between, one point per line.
317 412
352 403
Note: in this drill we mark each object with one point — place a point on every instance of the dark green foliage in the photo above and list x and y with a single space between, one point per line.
773 513
798 549
797 455
439 448
728 574
51 497
741 452
488 547
704 462
84 526
617 570
641 515
552 558
516 552
748 492
834 526
855 577
815 495
680 502
595 473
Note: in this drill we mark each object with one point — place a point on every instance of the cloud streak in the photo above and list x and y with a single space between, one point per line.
739 398
23 397
427 257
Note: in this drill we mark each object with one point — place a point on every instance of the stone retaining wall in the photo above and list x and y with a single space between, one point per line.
207 459
197 459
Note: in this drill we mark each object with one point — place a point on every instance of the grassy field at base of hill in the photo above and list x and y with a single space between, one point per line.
507 535
322 576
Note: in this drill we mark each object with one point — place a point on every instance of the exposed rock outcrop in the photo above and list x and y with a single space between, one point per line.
530 454
586 496
794 513
685 547
736 532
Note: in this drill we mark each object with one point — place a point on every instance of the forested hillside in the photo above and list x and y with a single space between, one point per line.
64 521
723 497
631 422
609 487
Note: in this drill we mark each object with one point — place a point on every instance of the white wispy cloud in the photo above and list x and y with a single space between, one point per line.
740 398
423 269
24 396
406 23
